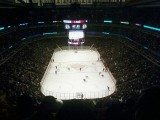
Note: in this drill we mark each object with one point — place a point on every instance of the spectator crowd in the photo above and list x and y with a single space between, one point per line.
21 75
23 65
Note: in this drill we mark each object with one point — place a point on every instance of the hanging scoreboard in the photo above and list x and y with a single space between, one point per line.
75 31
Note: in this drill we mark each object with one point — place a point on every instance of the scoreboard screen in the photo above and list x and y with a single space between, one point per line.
67 26
84 26
75 26
76 34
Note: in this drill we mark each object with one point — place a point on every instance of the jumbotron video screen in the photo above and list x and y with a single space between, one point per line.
75 34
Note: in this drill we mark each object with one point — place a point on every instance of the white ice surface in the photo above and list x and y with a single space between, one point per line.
69 83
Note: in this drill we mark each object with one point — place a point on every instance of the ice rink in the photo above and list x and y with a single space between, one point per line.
77 74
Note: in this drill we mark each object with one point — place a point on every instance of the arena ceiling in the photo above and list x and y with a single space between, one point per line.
127 3
144 3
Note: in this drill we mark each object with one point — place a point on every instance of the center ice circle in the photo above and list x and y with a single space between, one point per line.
77 66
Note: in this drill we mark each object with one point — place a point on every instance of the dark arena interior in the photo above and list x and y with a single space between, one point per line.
126 33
